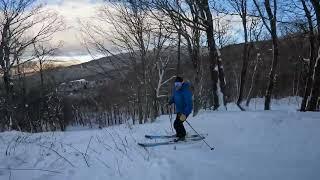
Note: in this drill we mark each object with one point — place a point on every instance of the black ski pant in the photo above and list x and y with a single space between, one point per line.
178 126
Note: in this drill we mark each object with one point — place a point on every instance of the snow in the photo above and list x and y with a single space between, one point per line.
257 104
79 80
282 144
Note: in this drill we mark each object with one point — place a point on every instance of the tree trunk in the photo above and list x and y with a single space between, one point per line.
196 93
222 79
272 73
315 92
5 64
178 73
154 111
254 80
244 62
9 103
214 55
179 54
308 85
273 31
140 108
312 105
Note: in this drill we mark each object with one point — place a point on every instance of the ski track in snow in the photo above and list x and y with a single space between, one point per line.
282 144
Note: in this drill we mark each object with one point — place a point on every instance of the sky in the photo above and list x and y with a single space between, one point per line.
75 11
72 12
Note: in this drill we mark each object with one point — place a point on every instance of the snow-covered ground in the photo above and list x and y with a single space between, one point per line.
282 144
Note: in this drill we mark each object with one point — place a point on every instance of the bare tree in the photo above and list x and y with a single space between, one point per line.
315 92
308 85
271 24
23 23
179 25
241 8
42 53
216 67
136 42
253 78
160 62
188 24
255 30
133 33
196 16
223 28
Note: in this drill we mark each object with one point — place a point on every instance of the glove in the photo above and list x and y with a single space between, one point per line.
182 117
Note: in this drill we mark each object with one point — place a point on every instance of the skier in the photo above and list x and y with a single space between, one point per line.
182 98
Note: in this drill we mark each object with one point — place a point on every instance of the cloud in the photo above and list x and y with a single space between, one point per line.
73 11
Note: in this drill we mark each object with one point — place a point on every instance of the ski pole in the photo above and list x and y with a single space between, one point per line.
212 148
170 116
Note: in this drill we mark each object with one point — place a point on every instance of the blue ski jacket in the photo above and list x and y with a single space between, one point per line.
182 98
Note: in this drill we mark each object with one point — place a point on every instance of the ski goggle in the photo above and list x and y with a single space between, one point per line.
177 84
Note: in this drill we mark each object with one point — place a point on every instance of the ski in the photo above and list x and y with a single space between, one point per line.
153 144
173 136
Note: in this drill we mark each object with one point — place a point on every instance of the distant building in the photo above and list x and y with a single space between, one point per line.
81 84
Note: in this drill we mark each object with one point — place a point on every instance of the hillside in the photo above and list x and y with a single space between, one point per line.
280 145
291 66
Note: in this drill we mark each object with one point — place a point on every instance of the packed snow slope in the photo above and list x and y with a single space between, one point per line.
281 144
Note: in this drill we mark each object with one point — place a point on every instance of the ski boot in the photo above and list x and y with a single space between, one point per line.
180 139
